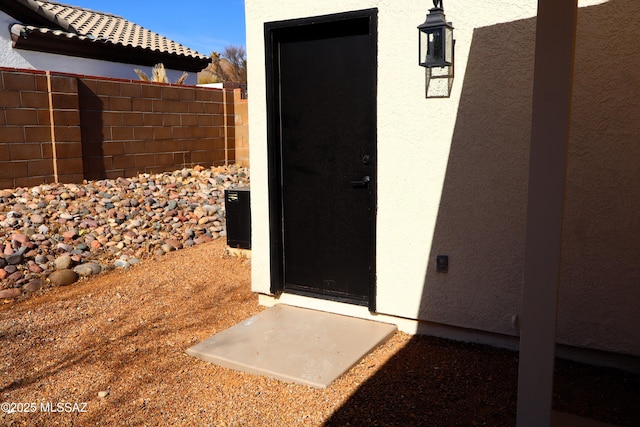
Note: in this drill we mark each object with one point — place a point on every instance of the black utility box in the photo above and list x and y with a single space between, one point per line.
237 203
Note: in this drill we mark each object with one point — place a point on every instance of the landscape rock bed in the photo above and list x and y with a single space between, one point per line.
53 234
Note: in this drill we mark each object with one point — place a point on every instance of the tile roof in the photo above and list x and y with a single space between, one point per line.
73 22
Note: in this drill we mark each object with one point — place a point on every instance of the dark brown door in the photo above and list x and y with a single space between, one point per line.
325 94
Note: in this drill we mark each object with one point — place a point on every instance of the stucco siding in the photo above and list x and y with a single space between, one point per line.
600 276
452 172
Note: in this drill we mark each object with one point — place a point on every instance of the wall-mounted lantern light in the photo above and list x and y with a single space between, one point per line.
435 49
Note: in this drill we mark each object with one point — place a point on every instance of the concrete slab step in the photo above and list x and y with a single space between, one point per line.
294 344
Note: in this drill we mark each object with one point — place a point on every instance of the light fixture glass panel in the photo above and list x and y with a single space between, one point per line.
434 48
449 45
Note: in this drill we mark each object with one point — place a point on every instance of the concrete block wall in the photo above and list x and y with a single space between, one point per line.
32 151
129 127
69 127
66 143
241 129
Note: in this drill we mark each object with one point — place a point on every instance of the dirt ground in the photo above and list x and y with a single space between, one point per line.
110 351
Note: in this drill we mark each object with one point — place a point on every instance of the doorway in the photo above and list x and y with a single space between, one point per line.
321 85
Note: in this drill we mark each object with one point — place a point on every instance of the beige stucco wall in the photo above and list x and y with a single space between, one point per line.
452 173
600 278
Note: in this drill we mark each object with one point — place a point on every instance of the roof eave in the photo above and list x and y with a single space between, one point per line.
104 50
31 13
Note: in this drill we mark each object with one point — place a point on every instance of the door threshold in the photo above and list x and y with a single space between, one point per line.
336 297
409 326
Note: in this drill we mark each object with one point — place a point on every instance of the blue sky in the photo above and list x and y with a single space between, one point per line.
205 26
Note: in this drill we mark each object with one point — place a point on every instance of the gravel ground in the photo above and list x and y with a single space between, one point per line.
111 349
53 233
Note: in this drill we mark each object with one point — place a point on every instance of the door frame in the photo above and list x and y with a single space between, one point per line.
274 32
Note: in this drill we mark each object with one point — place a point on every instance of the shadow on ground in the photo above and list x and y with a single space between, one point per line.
438 382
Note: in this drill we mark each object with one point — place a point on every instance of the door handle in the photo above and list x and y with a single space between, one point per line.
364 183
